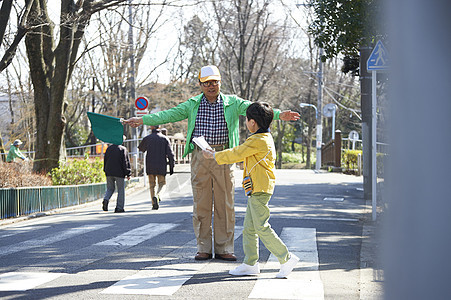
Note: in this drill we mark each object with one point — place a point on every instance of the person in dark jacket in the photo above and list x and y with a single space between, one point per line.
117 167
159 152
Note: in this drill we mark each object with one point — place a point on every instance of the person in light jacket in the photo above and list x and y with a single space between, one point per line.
14 152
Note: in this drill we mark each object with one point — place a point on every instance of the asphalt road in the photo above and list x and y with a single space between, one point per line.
86 253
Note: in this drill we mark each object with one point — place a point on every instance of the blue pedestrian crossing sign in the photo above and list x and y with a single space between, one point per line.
378 60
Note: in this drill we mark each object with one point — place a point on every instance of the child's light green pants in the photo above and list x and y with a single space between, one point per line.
256 226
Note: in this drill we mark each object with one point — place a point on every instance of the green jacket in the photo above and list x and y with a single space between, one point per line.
233 108
14 153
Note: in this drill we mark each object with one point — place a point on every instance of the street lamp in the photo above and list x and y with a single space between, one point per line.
311 105
319 133
329 111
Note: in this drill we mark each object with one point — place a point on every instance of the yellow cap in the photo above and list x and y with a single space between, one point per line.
209 73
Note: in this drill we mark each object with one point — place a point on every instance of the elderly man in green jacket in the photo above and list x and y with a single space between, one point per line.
216 117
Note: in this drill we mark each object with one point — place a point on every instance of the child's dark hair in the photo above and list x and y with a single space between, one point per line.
260 112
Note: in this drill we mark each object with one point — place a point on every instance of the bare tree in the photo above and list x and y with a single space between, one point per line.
22 29
341 89
18 117
107 60
307 76
51 64
52 61
251 46
197 47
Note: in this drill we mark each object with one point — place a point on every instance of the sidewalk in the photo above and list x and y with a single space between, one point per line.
371 273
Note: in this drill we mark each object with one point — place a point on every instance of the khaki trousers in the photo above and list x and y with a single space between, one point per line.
213 190
256 225
152 183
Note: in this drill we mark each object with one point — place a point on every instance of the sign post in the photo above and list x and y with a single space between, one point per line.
377 62
141 105
353 137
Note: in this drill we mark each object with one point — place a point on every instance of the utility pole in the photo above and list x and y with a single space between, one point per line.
319 127
134 144
93 102
365 102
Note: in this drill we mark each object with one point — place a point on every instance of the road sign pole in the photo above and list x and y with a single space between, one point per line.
141 104
333 125
145 157
373 144
378 61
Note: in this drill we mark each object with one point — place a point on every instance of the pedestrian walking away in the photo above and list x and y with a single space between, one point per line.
215 116
116 167
259 154
158 153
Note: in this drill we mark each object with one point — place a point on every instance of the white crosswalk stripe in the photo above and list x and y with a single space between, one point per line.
163 280
38 242
305 281
10 231
138 235
22 281
77 258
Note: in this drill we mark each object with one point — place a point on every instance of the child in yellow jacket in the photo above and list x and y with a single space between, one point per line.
259 154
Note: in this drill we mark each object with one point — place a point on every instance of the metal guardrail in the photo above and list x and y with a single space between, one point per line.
15 202
97 150
22 201
380 147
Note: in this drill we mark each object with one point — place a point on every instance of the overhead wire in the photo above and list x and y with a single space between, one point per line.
326 89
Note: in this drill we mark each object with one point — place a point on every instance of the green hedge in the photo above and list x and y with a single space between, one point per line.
78 171
349 161
291 157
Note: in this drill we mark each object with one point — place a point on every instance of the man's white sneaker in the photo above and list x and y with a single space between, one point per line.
244 269
286 268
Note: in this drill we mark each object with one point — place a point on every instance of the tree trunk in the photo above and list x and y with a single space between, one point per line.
278 144
2 149
50 70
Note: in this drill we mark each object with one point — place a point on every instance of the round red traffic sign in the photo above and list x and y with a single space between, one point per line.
141 103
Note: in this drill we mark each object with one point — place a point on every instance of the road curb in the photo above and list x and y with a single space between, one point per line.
135 188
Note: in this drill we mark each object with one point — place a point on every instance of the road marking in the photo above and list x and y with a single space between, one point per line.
71 261
329 219
22 281
305 281
334 199
166 278
138 235
9 231
5 250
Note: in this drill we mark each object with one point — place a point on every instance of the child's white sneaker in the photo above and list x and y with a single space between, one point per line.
287 267
245 269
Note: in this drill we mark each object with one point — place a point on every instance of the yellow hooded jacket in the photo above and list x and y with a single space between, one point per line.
254 149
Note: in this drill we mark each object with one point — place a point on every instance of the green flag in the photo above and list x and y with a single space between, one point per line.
107 129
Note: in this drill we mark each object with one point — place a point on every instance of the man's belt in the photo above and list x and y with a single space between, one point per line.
216 147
